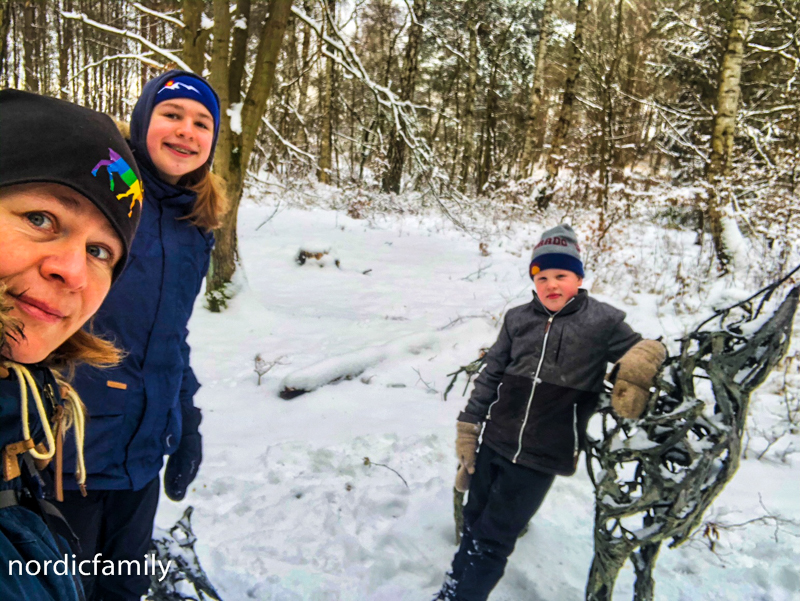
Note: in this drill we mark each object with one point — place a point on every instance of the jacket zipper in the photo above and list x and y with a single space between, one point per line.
533 388
575 431
489 413
536 378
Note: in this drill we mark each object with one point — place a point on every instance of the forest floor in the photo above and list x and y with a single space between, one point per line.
286 506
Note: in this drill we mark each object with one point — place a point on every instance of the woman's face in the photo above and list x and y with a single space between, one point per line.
179 137
57 256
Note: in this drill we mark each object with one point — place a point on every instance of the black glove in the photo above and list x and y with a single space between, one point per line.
183 464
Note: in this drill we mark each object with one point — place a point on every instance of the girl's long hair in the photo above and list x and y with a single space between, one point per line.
212 202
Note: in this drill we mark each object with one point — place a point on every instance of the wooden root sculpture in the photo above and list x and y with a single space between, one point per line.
655 477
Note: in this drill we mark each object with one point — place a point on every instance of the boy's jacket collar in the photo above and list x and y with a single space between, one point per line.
571 307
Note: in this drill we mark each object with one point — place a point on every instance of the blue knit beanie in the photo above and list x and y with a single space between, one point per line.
171 85
558 249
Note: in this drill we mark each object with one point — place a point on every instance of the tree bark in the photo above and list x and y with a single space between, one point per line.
722 137
5 24
238 51
29 46
532 119
326 108
235 147
194 37
469 103
397 145
564 122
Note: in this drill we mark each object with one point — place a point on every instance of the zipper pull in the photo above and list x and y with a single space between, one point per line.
549 321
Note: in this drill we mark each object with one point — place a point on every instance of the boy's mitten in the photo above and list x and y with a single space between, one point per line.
462 479
467 434
183 464
467 444
635 374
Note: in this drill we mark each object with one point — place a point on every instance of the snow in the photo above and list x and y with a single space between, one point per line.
235 113
206 22
286 508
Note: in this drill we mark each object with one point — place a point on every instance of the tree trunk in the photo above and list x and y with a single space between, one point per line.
238 51
722 136
564 122
29 46
194 37
5 23
234 149
324 172
469 103
532 119
397 145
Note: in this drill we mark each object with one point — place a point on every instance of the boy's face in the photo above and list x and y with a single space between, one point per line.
57 257
179 137
555 287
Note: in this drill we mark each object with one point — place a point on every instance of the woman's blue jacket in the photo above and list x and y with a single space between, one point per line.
27 546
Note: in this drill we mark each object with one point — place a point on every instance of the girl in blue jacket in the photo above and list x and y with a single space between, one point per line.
144 409
67 219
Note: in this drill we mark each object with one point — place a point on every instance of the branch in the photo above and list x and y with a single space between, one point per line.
127 34
173 20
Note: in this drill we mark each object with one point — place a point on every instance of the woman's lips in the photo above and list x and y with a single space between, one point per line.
38 310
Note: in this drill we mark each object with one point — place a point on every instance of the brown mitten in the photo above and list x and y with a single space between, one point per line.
636 372
462 479
467 444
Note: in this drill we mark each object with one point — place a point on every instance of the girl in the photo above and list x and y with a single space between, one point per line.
144 409
65 234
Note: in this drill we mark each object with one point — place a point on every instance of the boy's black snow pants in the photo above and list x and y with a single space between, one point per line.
503 497
119 525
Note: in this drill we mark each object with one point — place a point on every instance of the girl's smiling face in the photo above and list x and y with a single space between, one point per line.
57 258
179 137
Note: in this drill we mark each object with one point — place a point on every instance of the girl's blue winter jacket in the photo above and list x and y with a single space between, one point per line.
135 410
26 544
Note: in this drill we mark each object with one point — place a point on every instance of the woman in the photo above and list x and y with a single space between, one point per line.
144 409
65 233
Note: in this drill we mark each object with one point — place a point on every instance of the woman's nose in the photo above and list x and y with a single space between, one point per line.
67 265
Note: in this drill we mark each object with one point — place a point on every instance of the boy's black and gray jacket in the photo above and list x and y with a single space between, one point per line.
542 380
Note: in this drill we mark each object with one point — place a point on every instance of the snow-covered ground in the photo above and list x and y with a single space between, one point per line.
287 506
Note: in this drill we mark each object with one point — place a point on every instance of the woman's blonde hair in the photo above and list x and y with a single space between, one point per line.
212 202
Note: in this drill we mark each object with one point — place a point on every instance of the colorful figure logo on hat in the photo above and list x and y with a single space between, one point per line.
176 85
116 164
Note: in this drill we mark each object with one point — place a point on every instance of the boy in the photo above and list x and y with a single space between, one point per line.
536 395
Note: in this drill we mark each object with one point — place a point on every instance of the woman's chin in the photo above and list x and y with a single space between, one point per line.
25 352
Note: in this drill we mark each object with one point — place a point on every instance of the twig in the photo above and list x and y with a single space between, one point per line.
368 463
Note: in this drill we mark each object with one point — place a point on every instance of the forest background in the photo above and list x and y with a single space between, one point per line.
498 107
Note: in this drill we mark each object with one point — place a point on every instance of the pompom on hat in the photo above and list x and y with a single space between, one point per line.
558 249
46 140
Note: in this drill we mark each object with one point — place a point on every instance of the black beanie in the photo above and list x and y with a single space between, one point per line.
44 139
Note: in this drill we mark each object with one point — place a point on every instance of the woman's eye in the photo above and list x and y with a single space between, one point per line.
201 125
99 252
40 220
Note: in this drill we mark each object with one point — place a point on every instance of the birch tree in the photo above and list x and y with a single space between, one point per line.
724 229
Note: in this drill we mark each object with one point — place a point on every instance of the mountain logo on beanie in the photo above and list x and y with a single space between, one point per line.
116 164
176 85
